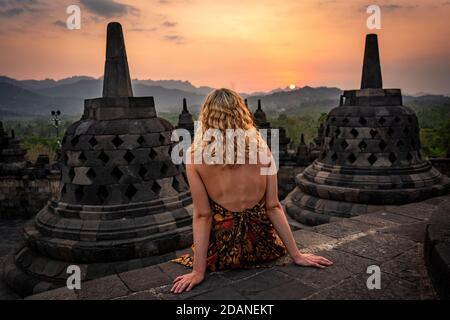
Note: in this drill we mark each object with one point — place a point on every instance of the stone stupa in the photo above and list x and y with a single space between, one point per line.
185 120
369 157
123 203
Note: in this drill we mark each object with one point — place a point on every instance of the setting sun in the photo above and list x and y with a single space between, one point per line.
292 86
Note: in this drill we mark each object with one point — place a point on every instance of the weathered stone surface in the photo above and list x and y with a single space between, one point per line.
142 279
413 231
342 228
355 288
437 250
379 246
261 282
112 286
306 238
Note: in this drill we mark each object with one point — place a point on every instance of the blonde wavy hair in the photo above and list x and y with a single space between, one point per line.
225 109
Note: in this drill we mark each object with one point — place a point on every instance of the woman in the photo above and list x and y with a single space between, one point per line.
237 218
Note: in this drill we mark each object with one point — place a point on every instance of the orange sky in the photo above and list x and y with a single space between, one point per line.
249 45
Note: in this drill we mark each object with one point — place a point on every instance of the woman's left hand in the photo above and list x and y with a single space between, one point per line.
186 282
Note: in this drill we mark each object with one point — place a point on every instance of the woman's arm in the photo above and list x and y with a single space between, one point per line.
201 227
278 218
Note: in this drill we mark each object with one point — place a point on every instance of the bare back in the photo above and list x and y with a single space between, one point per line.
234 187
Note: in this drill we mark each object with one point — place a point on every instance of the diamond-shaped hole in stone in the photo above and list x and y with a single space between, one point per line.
333 119
373 133
382 145
344 144
117 173
117 141
64 139
390 132
141 140
103 157
323 155
153 154
102 193
66 158
382 120
176 184
75 140
337 132
79 193
362 145
71 174
327 131
372 159
397 119
164 168
406 131
128 156
351 158
409 156
400 144
362 121
162 138
93 142
130 192
142 171
82 157
91 174
345 121
392 157
334 157
63 189
156 188
410 119
354 132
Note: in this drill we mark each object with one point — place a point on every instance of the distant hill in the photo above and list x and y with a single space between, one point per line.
39 97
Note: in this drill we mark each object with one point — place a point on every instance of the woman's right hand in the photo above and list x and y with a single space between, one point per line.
311 260
187 282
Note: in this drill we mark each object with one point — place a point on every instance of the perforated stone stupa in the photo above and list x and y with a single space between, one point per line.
123 203
370 155
185 119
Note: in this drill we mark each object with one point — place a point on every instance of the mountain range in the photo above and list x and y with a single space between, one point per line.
20 98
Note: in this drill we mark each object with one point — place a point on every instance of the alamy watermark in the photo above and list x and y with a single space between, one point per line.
374 20
374 280
73 21
74 279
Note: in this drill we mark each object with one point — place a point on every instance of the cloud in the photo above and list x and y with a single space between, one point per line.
143 29
174 38
9 13
60 23
109 8
391 7
13 8
169 24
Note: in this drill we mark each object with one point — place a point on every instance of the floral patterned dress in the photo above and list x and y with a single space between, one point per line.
245 239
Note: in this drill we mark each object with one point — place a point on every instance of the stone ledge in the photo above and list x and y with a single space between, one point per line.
391 240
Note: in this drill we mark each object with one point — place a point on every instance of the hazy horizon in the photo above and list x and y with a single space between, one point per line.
255 46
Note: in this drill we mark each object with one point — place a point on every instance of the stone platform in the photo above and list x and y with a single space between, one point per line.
392 238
